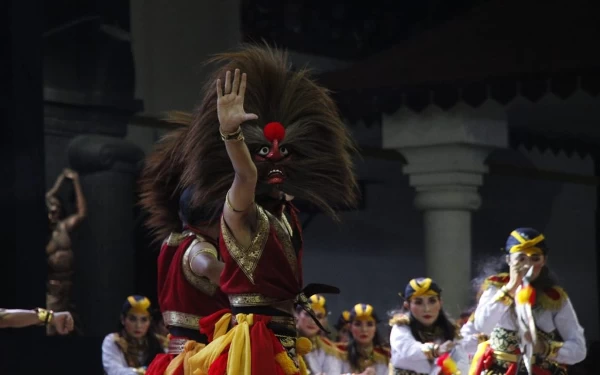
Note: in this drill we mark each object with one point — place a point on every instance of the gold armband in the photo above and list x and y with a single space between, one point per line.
552 348
204 250
45 316
228 203
504 297
235 136
430 350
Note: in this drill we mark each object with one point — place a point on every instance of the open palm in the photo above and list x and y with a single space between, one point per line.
230 102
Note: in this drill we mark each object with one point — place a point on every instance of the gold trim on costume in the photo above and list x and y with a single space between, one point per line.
509 357
179 319
283 231
250 299
208 250
549 303
553 348
496 281
503 297
201 283
381 358
284 320
399 319
318 343
288 342
175 238
247 259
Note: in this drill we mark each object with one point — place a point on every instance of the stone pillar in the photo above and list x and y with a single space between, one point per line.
445 153
104 242
89 78
89 87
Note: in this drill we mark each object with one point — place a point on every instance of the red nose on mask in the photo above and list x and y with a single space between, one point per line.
274 132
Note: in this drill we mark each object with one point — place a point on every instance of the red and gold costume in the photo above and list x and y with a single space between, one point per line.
300 147
184 298
263 283
270 270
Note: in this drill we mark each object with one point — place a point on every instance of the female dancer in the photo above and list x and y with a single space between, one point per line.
324 357
130 351
425 334
560 340
365 353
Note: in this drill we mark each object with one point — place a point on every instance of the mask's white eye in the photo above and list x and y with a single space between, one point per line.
284 151
264 151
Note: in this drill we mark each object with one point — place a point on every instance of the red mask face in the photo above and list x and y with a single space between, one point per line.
273 153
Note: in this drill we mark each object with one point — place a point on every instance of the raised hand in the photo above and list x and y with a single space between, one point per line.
70 174
518 269
230 103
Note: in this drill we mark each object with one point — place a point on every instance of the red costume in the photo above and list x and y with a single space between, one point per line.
300 147
184 299
265 281
271 267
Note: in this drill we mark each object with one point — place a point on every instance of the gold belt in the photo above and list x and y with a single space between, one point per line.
283 320
179 319
509 357
176 346
250 299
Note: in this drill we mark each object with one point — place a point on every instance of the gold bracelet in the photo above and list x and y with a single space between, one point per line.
504 290
45 316
552 348
427 349
503 297
235 136
233 208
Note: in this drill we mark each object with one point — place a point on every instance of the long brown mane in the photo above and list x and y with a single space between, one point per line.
319 169
159 185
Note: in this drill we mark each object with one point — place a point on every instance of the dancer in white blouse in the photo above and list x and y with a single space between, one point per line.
130 351
424 335
560 338
365 352
324 358
470 337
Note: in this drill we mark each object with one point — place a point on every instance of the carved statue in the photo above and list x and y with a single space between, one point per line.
58 250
